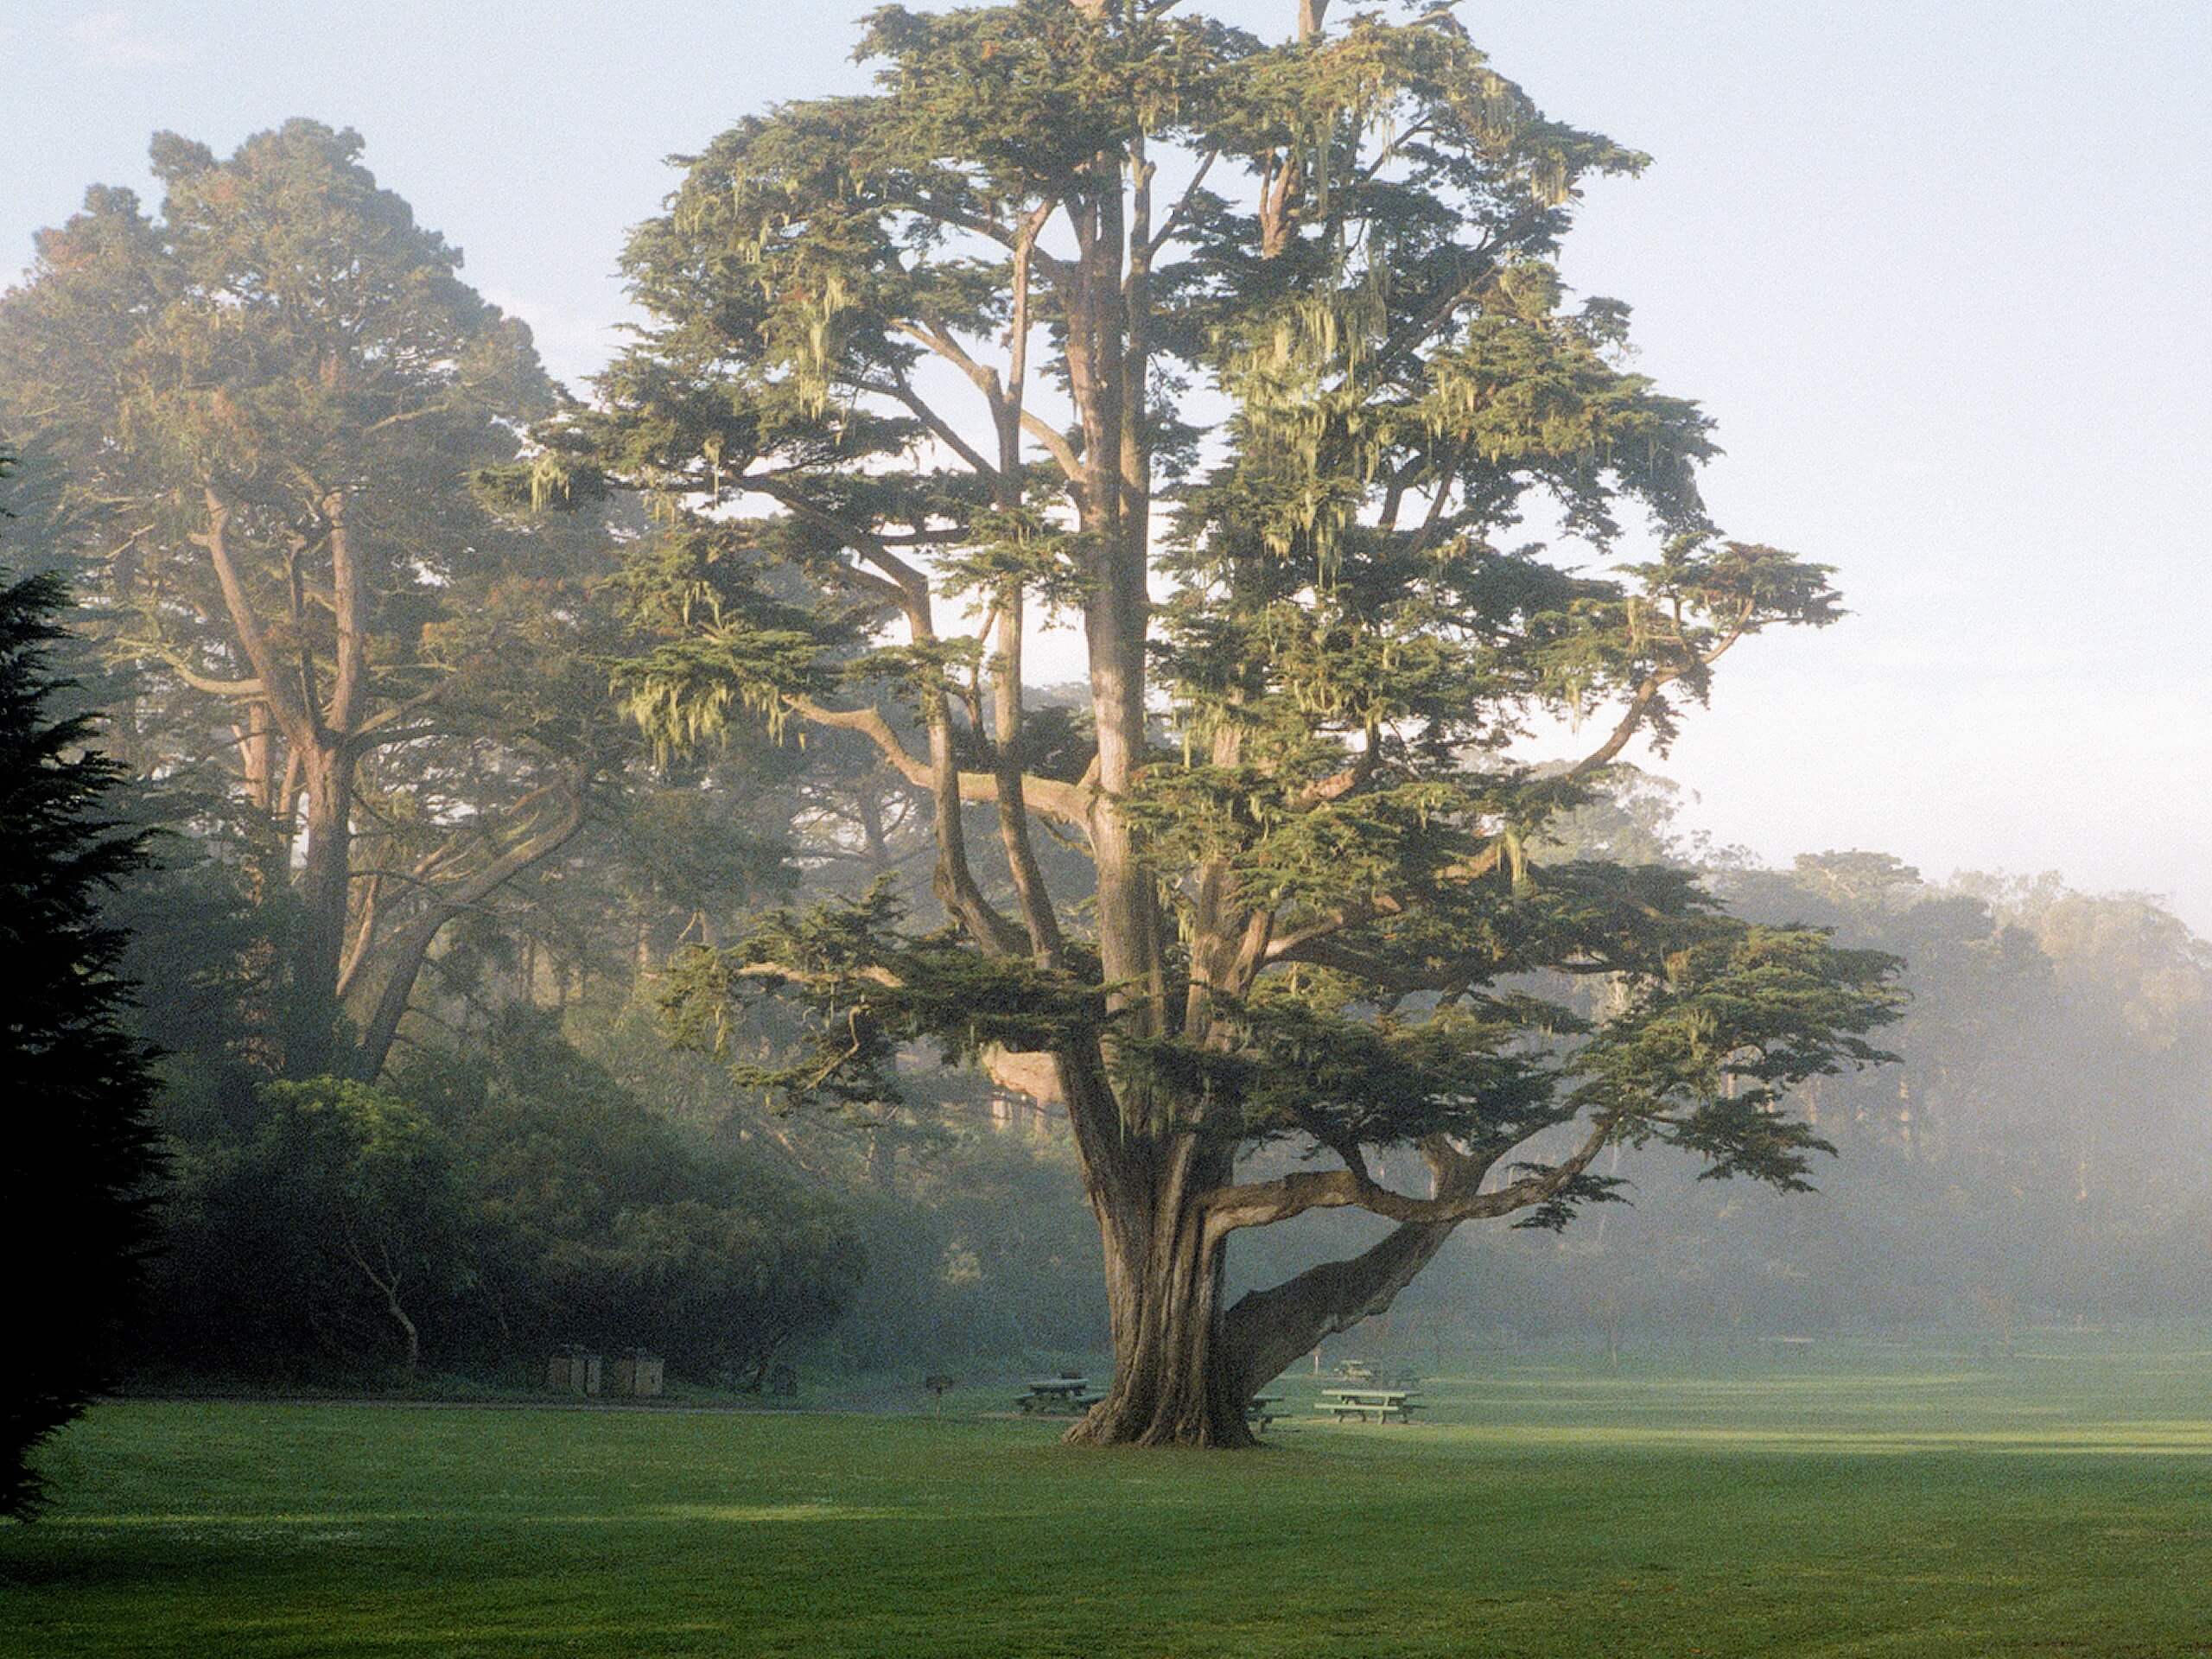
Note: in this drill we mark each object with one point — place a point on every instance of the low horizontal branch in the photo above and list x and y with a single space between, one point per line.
1262 1204
1063 801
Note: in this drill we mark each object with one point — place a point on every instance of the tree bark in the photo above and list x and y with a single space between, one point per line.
319 938
1268 1331
1185 1364
1164 1288
411 948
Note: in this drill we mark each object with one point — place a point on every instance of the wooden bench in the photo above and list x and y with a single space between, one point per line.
1379 1405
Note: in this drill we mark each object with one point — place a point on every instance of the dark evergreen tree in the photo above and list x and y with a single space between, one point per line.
75 1188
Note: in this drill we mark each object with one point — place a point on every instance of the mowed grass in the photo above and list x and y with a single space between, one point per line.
1861 1501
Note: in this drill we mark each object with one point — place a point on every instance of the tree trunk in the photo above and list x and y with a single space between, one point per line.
1185 1366
407 1329
319 938
411 949
1163 1285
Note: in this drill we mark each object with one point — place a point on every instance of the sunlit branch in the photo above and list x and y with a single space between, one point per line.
1064 802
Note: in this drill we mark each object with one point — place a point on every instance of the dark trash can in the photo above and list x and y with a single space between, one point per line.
637 1373
575 1370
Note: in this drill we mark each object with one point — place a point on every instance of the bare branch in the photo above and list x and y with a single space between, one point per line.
290 712
1056 444
1260 1203
1064 802
1174 214
941 428
251 689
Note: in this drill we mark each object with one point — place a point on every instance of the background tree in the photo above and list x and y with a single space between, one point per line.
2031 1159
81 1164
949 341
370 1184
476 1210
267 407
598 1220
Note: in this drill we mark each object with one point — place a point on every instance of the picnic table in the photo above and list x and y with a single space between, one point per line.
1259 1410
1355 1370
1050 1394
1381 1405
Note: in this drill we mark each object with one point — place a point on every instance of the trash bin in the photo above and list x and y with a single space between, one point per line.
637 1373
575 1370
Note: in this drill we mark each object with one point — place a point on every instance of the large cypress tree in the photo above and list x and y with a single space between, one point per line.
74 1188
1252 359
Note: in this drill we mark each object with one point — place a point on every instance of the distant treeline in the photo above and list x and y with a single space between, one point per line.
2041 1151
540 1165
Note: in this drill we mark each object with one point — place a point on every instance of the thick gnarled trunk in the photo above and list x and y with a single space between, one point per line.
1185 1364
1164 1292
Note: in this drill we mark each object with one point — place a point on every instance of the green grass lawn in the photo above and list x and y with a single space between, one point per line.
1861 1502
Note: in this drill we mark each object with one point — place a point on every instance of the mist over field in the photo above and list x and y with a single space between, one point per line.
1073 724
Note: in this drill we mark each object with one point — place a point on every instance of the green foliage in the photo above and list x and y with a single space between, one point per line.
372 1190
329 1231
866 989
1353 261
484 1210
82 1169
303 336
280 428
599 1221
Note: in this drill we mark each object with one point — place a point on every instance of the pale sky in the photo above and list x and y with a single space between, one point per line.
1939 268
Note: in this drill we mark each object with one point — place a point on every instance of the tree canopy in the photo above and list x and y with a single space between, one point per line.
1253 360
269 408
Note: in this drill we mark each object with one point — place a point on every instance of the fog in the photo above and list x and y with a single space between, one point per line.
1930 279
